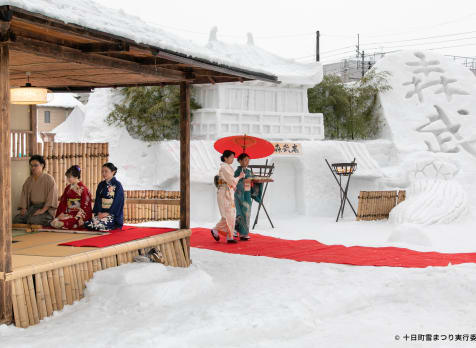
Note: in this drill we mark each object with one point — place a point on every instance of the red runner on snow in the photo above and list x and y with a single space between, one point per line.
298 250
127 234
313 251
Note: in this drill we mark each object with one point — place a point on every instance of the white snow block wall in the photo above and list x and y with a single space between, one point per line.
274 112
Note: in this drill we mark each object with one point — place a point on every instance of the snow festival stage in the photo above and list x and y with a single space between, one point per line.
47 276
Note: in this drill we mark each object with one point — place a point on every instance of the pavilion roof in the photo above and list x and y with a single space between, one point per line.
79 45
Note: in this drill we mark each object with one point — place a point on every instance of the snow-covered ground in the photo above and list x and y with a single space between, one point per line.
226 300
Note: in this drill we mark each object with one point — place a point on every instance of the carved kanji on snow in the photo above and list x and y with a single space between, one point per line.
447 133
447 90
425 66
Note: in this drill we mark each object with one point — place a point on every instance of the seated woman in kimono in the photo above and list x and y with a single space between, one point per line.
39 196
245 192
75 203
108 211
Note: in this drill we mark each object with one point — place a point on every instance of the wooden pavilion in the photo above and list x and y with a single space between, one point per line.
69 57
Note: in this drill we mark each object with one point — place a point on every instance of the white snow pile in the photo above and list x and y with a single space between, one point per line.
226 300
430 118
91 14
63 100
431 202
69 128
287 70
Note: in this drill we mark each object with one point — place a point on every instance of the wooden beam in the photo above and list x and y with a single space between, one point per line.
67 54
34 130
52 24
103 47
184 155
5 188
71 89
211 79
204 64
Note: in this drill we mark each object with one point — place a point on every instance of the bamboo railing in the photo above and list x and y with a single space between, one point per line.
41 289
376 205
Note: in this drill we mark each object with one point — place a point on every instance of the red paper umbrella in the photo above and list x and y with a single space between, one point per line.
254 147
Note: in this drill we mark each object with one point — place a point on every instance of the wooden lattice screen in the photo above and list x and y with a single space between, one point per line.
376 205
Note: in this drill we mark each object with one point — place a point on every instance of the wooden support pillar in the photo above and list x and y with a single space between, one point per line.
5 188
34 128
184 155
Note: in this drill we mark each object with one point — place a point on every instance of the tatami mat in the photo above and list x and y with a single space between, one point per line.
44 238
52 250
39 247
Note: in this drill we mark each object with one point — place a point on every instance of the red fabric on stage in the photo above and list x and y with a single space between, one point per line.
313 251
127 234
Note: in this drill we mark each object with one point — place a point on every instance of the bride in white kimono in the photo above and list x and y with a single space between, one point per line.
226 198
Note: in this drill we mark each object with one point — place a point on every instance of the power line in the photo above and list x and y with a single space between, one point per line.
387 52
440 48
337 49
421 38
425 43
425 26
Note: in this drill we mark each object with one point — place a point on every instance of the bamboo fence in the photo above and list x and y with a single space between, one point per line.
89 157
39 290
376 205
151 205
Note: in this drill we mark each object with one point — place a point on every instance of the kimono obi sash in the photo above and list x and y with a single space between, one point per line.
222 183
247 184
107 203
74 203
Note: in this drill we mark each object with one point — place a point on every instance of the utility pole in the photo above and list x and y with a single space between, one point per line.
318 58
363 63
360 54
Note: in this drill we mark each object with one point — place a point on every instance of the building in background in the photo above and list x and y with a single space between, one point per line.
55 112
352 68
272 111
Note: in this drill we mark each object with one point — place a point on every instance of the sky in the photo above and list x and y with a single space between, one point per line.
288 28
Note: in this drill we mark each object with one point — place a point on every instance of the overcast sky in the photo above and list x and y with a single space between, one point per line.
288 27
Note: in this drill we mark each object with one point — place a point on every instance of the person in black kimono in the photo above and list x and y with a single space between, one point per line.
108 211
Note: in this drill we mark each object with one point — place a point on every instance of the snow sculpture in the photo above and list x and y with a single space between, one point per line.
430 202
429 117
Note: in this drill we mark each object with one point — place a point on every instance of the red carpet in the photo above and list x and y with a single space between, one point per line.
298 250
127 234
313 251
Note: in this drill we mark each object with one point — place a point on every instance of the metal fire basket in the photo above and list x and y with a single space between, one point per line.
340 170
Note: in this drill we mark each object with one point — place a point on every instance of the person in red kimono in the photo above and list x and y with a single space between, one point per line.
75 204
